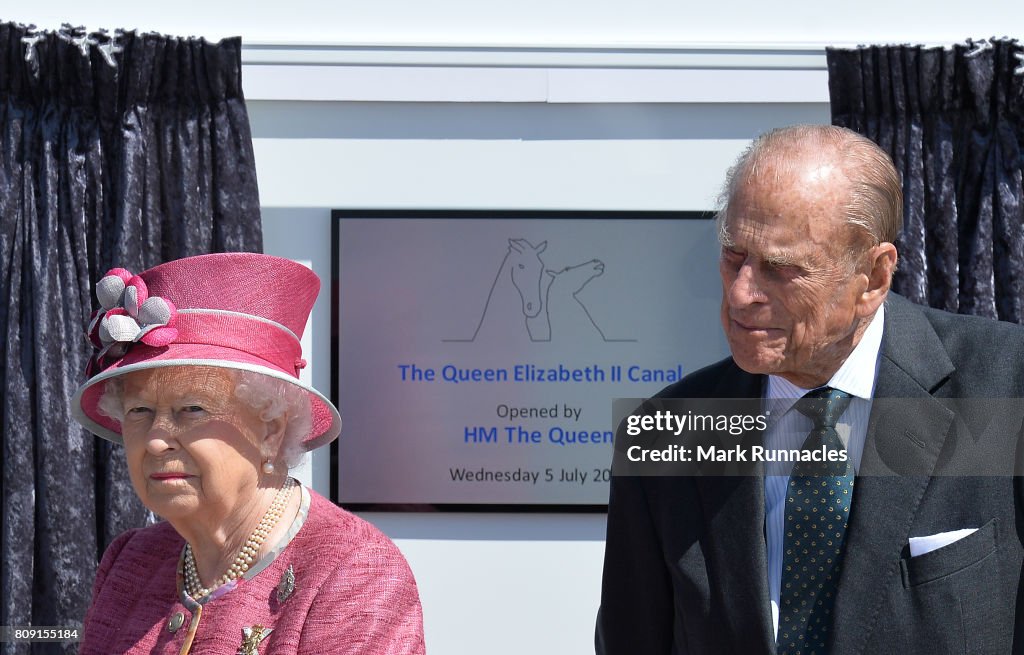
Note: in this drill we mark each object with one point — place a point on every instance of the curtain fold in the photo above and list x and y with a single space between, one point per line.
117 149
953 121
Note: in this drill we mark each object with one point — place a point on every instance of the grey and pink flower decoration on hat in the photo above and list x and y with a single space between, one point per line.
128 315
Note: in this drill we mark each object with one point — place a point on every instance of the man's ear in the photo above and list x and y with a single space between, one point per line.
882 263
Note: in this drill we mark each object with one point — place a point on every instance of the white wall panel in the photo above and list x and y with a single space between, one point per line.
518 157
644 175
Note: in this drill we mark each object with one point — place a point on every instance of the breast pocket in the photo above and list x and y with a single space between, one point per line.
950 559
949 597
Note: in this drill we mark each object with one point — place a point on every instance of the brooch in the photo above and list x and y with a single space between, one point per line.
251 638
287 584
128 315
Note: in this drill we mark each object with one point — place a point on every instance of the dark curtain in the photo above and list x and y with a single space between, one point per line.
953 121
116 149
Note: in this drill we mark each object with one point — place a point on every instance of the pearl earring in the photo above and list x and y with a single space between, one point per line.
268 467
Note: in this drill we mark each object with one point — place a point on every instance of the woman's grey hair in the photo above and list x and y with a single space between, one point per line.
875 203
271 397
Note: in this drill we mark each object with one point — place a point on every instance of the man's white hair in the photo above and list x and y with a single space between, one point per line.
874 206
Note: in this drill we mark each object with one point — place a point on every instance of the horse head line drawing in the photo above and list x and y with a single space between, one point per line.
539 291
523 266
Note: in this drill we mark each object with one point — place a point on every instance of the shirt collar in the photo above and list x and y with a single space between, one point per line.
856 376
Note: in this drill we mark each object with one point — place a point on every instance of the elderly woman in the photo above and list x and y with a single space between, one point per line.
196 373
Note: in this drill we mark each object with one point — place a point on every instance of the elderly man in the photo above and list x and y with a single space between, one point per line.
917 547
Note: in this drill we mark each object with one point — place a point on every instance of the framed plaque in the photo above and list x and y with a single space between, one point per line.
476 354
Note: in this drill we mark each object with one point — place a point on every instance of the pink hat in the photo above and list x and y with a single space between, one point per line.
236 310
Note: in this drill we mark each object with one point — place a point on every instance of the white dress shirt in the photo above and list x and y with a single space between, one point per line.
788 429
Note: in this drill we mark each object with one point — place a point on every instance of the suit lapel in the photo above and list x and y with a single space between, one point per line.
903 443
733 508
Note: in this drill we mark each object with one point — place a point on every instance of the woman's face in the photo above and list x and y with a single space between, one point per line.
194 451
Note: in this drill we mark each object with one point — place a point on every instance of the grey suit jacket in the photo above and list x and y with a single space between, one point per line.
685 561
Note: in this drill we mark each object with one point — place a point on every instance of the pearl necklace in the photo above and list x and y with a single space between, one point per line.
247 554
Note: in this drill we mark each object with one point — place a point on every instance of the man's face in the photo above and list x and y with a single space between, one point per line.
789 297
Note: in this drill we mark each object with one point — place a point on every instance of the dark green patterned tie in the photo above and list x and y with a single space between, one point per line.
817 510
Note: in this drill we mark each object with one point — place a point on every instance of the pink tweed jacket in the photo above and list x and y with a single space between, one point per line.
353 593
